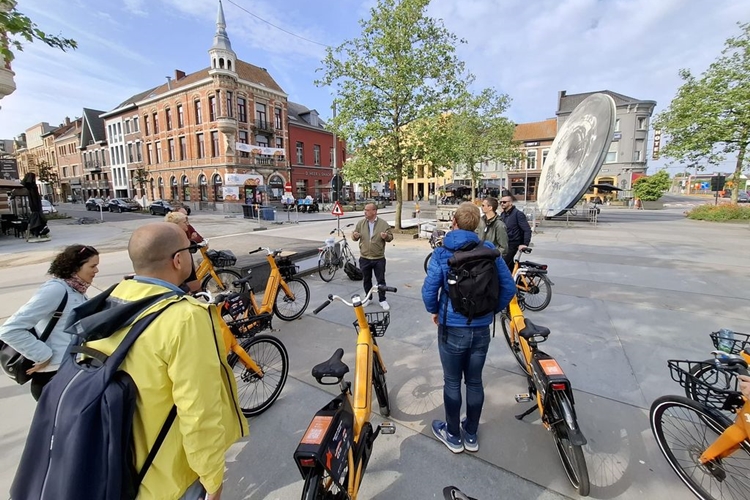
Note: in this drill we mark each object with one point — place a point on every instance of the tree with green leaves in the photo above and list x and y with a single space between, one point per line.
17 29
398 77
709 118
652 187
140 178
481 133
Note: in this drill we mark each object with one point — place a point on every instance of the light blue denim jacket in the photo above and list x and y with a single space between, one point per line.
37 313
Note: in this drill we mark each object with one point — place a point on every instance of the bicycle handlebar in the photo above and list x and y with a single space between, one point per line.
210 298
730 362
267 249
341 230
355 297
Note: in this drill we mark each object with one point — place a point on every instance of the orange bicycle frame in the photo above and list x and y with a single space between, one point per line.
275 281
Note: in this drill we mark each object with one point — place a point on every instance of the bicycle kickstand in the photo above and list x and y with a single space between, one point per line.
527 412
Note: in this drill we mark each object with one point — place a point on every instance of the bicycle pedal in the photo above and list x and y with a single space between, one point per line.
523 398
387 428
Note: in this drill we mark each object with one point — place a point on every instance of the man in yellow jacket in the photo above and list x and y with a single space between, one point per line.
179 360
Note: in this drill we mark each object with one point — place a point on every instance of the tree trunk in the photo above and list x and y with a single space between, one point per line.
399 197
738 168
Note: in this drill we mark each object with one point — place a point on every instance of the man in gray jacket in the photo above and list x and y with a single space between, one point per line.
373 233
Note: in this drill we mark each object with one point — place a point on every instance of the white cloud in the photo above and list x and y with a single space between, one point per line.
135 7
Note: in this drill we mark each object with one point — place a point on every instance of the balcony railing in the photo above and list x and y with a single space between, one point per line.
264 126
270 161
93 166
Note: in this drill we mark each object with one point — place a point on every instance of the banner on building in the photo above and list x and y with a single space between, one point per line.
230 193
242 179
259 150
9 169
657 144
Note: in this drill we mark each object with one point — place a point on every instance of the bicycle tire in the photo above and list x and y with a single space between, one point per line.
571 455
513 345
256 394
427 261
541 292
706 427
381 387
318 486
701 395
295 307
227 276
326 268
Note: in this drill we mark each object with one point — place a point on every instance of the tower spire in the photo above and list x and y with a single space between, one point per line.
221 39
222 56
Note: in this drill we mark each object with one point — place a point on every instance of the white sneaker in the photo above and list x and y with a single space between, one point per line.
385 305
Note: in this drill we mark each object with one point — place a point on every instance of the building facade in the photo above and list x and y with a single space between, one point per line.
96 175
627 157
311 156
534 141
69 163
212 139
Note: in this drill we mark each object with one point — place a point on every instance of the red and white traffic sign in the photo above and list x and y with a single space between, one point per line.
337 210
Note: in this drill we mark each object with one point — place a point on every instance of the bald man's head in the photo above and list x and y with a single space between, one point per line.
152 245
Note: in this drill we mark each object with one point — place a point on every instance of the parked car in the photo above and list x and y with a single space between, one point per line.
48 208
743 197
160 207
178 204
123 205
96 204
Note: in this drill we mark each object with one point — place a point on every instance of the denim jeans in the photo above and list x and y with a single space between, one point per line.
195 492
463 351
368 266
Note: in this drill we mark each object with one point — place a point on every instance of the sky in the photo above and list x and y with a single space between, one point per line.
528 49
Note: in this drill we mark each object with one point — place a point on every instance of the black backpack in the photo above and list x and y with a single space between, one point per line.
473 285
80 441
353 271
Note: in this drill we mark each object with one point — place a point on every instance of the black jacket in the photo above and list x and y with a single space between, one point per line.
519 232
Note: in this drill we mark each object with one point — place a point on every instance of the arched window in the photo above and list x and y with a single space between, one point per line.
275 187
203 187
151 187
217 185
185 188
175 188
221 62
160 183
229 64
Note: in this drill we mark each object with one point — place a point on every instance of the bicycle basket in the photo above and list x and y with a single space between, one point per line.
287 268
378 322
248 327
221 258
737 344
717 389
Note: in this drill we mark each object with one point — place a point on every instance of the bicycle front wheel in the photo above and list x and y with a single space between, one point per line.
227 277
256 393
535 290
380 386
708 373
684 429
326 267
289 308
513 343
571 455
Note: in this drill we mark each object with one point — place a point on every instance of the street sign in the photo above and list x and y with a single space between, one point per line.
705 185
337 210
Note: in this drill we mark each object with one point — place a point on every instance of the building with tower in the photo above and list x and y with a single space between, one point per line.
211 139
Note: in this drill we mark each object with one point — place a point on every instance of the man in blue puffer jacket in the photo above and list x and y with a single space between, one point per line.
463 348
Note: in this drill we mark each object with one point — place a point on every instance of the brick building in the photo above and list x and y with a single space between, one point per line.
534 141
69 164
311 155
211 139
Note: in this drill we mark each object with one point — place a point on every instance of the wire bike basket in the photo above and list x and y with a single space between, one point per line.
736 344
287 268
221 258
716 388
378 322
249 327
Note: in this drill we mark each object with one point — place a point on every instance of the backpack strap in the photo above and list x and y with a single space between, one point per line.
157 444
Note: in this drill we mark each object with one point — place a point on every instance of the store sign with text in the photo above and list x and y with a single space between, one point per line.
259 150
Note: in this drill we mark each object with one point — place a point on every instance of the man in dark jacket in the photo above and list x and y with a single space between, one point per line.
462 344
519 232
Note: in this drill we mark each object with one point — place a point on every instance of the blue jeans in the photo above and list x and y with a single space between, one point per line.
463 352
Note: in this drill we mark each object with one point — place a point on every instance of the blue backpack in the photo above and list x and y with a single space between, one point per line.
80 441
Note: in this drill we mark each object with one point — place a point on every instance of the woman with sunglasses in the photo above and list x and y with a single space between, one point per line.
491 228
192 284
73 271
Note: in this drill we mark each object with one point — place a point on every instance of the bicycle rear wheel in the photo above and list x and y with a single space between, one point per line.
319 486
684 429
291 308
380 386
427 261
513 344
571 455
326 267
536 293
227 277
257 394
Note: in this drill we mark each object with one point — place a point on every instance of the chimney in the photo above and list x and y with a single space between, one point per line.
169 82
178 73
67 120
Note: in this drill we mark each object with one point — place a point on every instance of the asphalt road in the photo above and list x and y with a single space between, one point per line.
78 210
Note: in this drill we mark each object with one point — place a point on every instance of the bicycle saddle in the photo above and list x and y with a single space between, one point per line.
528 263
531 330
332 368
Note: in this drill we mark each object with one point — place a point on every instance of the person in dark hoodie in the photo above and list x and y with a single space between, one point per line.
462 344
517 227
